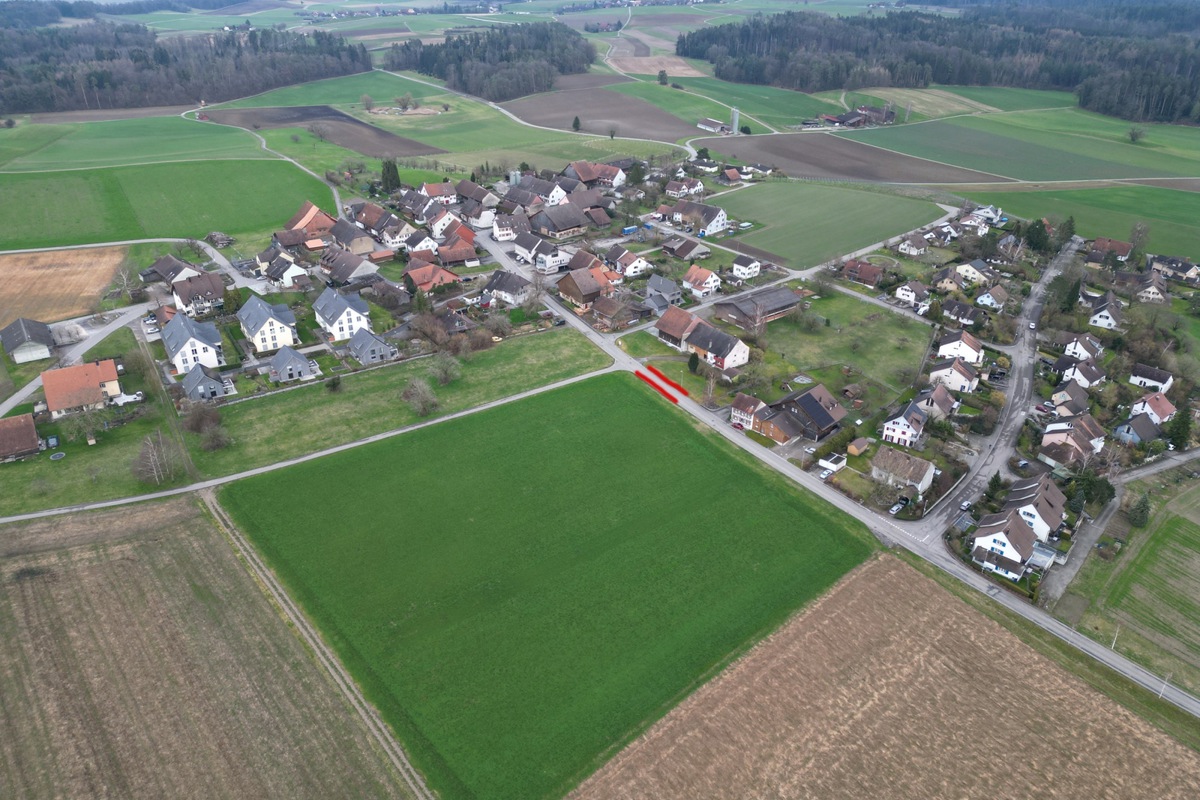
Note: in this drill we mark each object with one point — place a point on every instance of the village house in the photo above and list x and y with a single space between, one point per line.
419 240
1158 380
1175 269
1002 544
744 410
1070 399
954 374
169 269
729 177
746 267
560 222
811 413
614 314
1081 346
315 223
862 272
188 343
1106 310
962 313
937 403
509 288
1040 504
976 272
203 383
457 253
906 426
662 293
701 282
688 333
582 287
527 245
685 249
1070 440
592 175
961 344
83 387
1156 405
343 267
443 192
707 220
913 245
373 218
626 262
199 295
26 340
341 316
288 365
423 276
506 227
1138 429
750 311
684 187
18 438
947 280
913 294
994 297
368 348
1102 247
267 327
470 190
1086 373
901 470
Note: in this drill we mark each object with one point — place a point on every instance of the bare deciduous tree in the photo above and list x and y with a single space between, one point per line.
420 397
158 460
445 369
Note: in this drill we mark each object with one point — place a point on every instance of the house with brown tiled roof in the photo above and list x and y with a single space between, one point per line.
1156 404
899 469
812 413
1040 503
954 374
961 344
1002 543
456 253
863 272
315 223
84 387
581 288
443 192
18 437
425 276
700 281
937 402
199 295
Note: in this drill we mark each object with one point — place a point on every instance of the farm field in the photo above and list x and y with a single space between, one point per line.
807 224
122 142
339 128
603 109
864 693
1006 98
774 106
1060 145
1173 215
512 650
687 106
270 429
342 91
141 660
55 285
157 200
1151 589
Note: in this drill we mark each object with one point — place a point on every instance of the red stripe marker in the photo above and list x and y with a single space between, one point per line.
655 386
668 381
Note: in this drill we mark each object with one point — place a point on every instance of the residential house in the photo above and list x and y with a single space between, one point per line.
549 193
954 374
701 282
812 413
368 348
707 220
1106 311
477 215
947 280
199 295
506 227
348 236
606 175
899 469
751 311
287 275
995 297
288 365
443 192
705 165
315 223
560 222
1069 440
457 253
1002 543
937 403
83 387
685 187
1152 289
469 190
662 293
344 267
876 115
674 326
341 316
550 260
1081 346
441 222
204 383
746 267
626 262
526 247
962 313
169 269
716 347
26 340
976 272
1156 405
1086 373
1158 380
509 288
18 438
729 177
685 249
906 426
1100 249
585 259
1070 399
1175 269
614 314
419 240
745 409
1039 503
373 218
863 272
913 294
394 236
189 343
1138 429
267 327
913 245
582 287
961 344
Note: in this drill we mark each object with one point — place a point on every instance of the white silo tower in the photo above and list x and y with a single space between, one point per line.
735 125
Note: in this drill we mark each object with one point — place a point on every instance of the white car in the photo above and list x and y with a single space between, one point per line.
966 505
123 399
1033 326
825 475
810 450
894 510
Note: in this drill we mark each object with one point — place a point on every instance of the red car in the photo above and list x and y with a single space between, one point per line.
1042 409
738 425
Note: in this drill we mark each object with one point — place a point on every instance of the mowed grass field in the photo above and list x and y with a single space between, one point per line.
774 106
523 590
807 224
155 200
1006 98
1173 215
688 106
142 660
1060 145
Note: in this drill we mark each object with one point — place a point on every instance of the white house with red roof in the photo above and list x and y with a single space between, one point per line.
701 282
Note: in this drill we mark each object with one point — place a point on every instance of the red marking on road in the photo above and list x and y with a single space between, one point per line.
656 387
668 381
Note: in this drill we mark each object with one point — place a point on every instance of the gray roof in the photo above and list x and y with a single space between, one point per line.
660 285
199 378
168 267
255 313
330 306
289 356
182 329
279 268
362 341
561 217
344 231
1150 373
767 302
712 340
508 282
25 330
1143 427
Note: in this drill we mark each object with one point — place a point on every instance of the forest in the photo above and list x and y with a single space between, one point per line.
1139 62
501 63
39 13
102 65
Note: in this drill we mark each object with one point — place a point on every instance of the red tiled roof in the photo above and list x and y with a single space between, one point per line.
72 387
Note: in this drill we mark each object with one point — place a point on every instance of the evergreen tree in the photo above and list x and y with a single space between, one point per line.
662 77
575 124
1037 237
693 363
391 176
1139 515
1179 429
995 486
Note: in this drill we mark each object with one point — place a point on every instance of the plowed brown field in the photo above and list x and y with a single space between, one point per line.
890 687
57 284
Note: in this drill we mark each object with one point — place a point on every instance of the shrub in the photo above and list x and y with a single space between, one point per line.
420 397
201 419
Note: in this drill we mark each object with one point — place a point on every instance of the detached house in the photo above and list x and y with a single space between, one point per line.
976 272
937 402
948 280
1158 380
627 263
744 410
315 223
688 333
961 344
906 426
862 272
701 282
368 348
963 314
954 374
913 245
1086 373
662 293
582 287
1070 399
348 236
1138 429
1102 247
344 267
560 222
1106 311
812 414
506 227
1157 406
200 294
1039 503
509 288
708 220
746 267
189 343
26 340
1082 346
341 316
1002 544
425 277
84 387
913 294
1070 440
899 469
204 383
685 187
169 269
994 297
443 192
267 327
288 365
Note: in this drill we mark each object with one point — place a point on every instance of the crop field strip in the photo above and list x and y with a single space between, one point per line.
473 631
53 286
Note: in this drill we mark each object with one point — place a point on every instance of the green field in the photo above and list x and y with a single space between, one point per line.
516 617
1173 216
1060 145
38 148
343 91
687 106
774 106
1009 99
156 200
807 224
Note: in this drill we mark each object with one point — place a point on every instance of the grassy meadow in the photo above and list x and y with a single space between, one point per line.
776 107
807 224
516 634
687 106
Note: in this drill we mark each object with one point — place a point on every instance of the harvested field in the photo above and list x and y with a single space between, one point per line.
601 111
820 155
1182 184
341 129
651 41
675 66
55 285
890 687
108 114
567 83
141 660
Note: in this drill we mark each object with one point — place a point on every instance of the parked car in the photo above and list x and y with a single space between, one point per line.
738 426
1042 408
122 399
825 475
1022 464
810 450
1033 326
965 505
894 510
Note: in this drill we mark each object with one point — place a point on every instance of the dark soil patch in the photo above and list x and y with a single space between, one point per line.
1182 184
599 112
108 114
640 48
817 155
341 129
568 83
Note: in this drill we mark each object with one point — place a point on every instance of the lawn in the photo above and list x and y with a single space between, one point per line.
515 635
807 224
343 91
644 344
269 429
126 142
1173 215
772 105
687 106
1009 99
157 200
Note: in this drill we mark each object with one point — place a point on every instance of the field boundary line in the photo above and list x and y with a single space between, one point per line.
320 650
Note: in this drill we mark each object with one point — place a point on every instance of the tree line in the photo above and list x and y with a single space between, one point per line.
1139 62
102 65
39 13
500 63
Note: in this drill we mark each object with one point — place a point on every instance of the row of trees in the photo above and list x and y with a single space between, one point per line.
1127 62
102 65
38 13
500 63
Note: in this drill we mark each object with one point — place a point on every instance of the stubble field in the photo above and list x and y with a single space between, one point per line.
890 687
55 285
140 660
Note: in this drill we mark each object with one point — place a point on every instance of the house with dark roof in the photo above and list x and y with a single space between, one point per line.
373 218
509 288
1086 373
948 280
686 249
344 267
1152 378
1106 311
169 269
954 374
1070 399
862 272
200 294
962 313
748 311
83 387
560 222
582 287
203 383
614 314
994 298
913 245
18 438
709 220
913 294
662 293
341 315
348 236
906 426
506 227
937 402
267 327
1082 346
1040 503
189 342
744 410
812 413
716 347
368 348
26 340
1138 429
899 469
1003 543
745 267
289 365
